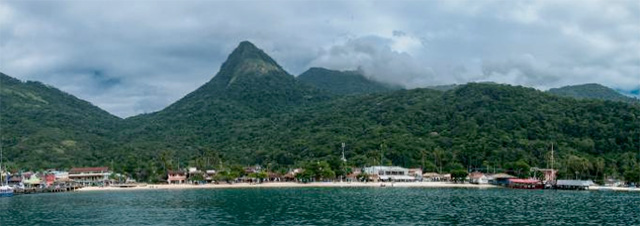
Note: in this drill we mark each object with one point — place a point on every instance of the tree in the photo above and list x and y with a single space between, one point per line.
196 177
520 168
632 176
459 175
577 166
317 170
598 165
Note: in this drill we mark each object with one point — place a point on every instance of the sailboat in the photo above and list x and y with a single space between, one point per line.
5 189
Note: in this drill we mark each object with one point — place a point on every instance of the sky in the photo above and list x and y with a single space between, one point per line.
133 57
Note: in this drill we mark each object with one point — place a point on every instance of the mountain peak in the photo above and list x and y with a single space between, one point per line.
248 60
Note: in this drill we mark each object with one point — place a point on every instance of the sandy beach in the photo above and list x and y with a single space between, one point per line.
320 184
290 185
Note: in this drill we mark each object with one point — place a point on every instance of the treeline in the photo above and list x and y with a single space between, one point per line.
483 127
486 127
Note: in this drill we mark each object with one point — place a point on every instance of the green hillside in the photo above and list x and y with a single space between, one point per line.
474 125
45 127
343 82
254 112
592 91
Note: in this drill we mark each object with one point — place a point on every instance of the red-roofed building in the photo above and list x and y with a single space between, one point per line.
90 176
49 178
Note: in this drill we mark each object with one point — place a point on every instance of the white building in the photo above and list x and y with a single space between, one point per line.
90 176
389 173
478 178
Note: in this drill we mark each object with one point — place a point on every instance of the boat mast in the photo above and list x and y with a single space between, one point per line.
1 172
551 155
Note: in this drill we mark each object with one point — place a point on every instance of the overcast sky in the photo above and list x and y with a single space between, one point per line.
133 57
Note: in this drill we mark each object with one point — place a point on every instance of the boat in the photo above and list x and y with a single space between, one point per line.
525 183
5 190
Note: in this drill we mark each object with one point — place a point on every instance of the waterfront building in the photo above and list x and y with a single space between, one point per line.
49 179
431 176
208 175
15 181
353 176
176 177
416 173
192 172
388 173
478 178
253 169
501 179
291 175
32 180
574 184
90 176
274 177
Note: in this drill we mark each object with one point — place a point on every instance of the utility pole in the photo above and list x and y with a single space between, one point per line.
552 156
381 154
344 162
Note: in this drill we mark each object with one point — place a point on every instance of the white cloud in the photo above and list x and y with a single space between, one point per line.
149 54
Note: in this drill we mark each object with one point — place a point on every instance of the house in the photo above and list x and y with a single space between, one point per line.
353 176
388 173
574 184
208 175
416 173
478 178
275 177
90 176
31 180
176 177
291 175
252 169
194 175
193 170
49 179
431 176
15 181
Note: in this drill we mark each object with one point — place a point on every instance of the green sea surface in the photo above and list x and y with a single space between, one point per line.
324 206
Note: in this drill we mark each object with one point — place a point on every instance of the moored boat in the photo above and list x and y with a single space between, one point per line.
525 184
6 191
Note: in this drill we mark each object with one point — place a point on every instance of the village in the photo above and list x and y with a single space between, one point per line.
100 178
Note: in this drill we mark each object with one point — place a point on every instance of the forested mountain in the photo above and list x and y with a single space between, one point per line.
343 82
239 104
592 91
443 87
254 112
45 127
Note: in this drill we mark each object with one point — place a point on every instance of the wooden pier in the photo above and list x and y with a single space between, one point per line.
46 190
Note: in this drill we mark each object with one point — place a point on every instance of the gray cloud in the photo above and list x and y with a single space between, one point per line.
135 57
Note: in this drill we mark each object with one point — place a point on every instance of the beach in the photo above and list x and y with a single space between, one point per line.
289 185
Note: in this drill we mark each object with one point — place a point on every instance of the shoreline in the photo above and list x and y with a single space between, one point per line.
291 185
323 185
